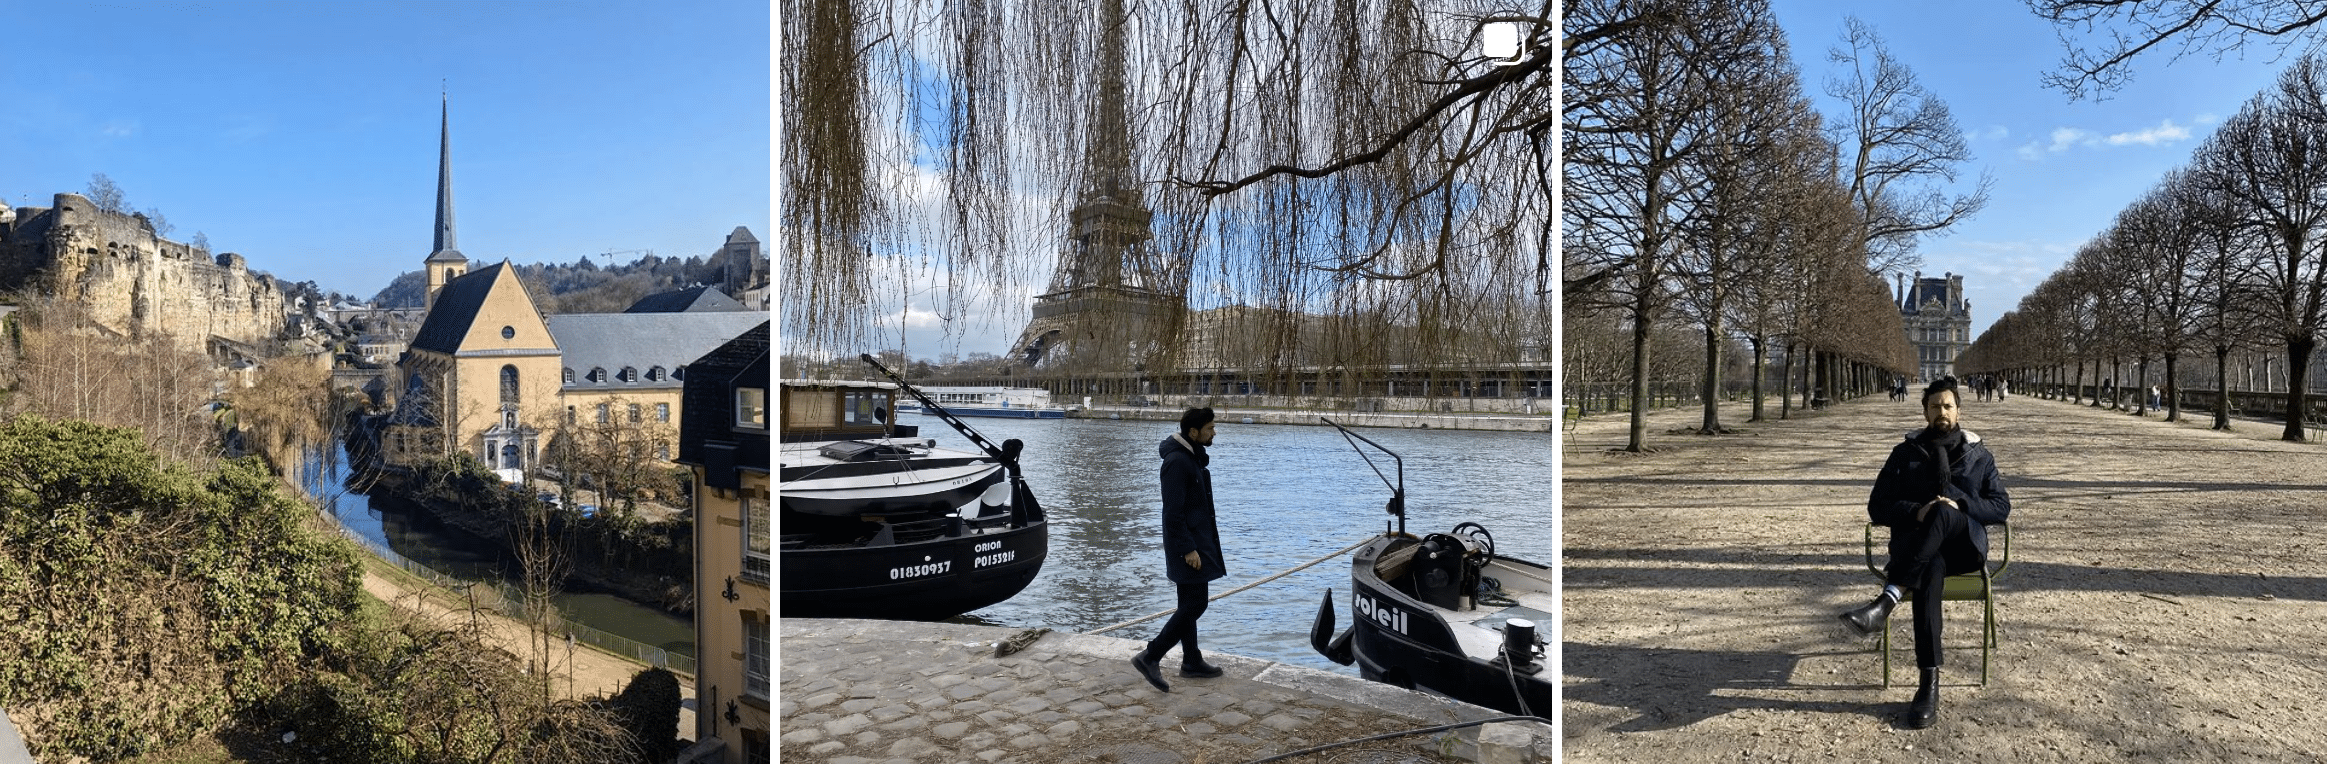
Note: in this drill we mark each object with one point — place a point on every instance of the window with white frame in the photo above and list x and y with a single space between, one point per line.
755 657
755 540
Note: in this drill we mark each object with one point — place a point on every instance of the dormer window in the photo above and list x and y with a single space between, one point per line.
569 375
629 374
598 375
656 375
751 408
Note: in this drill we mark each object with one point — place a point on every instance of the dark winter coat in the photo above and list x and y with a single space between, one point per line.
1188 522
1910 478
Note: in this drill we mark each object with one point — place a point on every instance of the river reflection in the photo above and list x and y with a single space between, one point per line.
1285 494
430 544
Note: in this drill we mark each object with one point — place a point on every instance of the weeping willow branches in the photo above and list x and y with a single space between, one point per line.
1351 175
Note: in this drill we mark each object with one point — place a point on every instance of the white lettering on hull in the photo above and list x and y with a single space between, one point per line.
1382 613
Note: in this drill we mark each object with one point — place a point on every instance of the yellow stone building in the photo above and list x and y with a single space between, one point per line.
487 374
724 441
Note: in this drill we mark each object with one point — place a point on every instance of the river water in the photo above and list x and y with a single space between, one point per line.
429 543
1285 495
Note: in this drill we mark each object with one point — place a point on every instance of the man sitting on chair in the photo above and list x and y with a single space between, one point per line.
1937 493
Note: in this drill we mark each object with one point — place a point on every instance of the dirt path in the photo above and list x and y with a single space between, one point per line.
583 671
2163 601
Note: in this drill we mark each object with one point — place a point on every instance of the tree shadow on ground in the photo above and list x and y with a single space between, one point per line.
2023 576
1628 676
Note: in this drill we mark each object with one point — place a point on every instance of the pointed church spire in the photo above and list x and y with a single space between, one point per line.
446 263
446 246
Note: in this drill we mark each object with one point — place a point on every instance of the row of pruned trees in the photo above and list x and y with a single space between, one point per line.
1705 193
2228 252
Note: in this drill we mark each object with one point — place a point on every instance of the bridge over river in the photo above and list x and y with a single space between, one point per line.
2163 602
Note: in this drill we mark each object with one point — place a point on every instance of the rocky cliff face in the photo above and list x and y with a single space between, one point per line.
133 281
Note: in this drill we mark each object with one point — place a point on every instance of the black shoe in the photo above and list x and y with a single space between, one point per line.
1924 710
1870 617
1199 669
1147 669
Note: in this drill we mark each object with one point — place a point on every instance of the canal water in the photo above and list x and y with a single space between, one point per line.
429 543
1285 495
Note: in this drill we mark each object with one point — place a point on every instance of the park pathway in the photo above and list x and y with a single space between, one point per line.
2164 601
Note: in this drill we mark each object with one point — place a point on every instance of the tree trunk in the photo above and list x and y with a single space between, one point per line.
1636 439
1711 425
1760 367
2141 389
2299 349
2222 387
2173 388
1786 384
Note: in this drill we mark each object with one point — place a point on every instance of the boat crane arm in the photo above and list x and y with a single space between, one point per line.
1007 453
1397 506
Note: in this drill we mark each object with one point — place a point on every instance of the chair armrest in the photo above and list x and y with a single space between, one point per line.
2003 532
1870 551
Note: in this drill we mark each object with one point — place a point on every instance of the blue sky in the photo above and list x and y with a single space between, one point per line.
304 135
2063 168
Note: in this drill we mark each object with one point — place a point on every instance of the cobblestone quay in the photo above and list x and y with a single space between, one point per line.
854 690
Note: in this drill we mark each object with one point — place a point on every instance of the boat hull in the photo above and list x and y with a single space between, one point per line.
934 579
931 487
1398 640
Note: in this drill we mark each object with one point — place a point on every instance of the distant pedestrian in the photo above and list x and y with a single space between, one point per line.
1191 538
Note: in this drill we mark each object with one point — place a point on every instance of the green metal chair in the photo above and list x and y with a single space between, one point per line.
1980 587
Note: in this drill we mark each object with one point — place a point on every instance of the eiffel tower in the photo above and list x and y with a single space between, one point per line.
1113 301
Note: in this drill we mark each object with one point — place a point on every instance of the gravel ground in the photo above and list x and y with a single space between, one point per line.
2163 601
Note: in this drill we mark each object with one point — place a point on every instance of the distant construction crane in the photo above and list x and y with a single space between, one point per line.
609 256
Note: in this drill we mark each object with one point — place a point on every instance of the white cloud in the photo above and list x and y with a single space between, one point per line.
119 129
2165 132
1992 133
2063 138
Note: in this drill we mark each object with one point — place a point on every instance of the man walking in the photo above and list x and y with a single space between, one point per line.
1937 493
1191 547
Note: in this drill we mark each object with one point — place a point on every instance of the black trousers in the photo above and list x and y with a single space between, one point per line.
1180 630
1922 557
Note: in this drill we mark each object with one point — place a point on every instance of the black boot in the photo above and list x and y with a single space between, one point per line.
1148 669
1197 668
1870 617
1924 710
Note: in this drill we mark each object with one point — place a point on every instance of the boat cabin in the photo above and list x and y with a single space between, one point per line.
840 410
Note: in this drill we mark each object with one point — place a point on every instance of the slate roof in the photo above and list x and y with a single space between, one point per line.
456 307
641 341
699 298
707 434
741 235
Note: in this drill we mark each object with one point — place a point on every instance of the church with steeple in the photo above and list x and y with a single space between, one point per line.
490 375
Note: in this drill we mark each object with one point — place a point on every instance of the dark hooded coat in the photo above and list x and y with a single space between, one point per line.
1188 522
1912 477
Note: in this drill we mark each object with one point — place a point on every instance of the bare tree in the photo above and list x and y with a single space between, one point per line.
2271 160
2123 30
106 195
1900 146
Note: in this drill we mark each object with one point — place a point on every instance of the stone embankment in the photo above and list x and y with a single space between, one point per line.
855 690
1532 423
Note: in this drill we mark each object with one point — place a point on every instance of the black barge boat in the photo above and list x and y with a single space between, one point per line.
880 523
1444 613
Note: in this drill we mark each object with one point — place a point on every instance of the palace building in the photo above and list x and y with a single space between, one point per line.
1938 320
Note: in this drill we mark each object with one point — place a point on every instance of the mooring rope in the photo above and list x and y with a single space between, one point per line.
1255 583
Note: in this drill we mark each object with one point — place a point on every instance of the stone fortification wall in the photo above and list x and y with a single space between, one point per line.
133 281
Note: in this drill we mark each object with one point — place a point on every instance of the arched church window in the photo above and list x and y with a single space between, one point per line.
509 384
